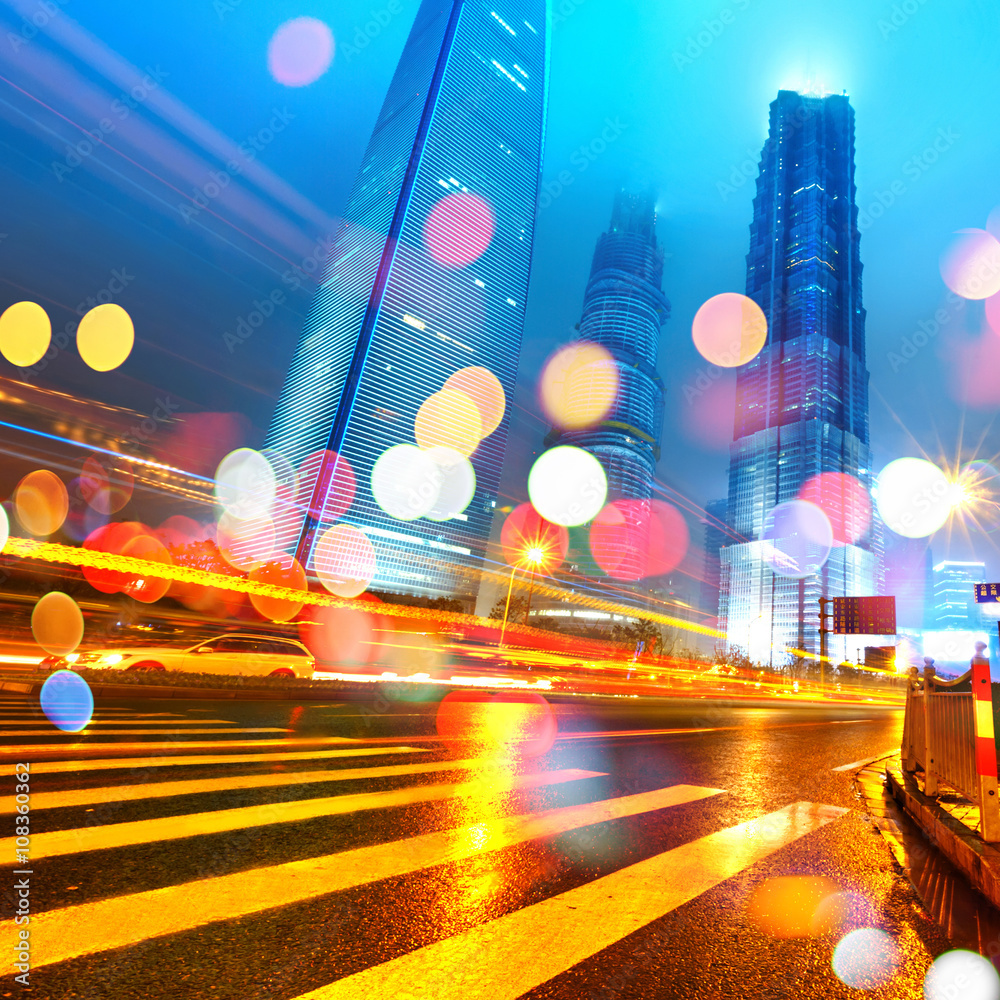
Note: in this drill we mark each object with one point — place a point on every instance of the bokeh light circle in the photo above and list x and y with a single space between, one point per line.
634 539
485 390
334 498
521 723
449 419
914 497
344 560
865 959
579 385
105 337
459 229
993 313
245 484
300 51
786 907
147 589
796 539
25 333
106 490
458 484
844 500
970 266
57 623
4 528
245 542
525 530
339 636
729 330
961 974
41 502
406 482
280 570
67 701
567 485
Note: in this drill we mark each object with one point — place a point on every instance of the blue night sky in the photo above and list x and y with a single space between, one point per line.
638 79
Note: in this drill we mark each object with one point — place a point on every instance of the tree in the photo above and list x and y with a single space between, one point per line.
518 605
637 631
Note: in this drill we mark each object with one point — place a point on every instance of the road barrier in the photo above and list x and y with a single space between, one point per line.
948 734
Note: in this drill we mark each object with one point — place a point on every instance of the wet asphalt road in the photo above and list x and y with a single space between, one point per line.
359 855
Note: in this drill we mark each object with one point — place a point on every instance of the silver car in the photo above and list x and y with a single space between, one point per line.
234 653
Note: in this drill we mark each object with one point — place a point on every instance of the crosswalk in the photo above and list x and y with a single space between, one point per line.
330 820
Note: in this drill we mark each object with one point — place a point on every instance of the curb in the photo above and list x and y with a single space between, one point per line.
130 691
978 861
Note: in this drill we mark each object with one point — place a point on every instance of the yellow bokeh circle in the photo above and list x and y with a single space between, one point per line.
25 333
105 337
729 330
449 419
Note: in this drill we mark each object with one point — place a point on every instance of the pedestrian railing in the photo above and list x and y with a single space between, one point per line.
948 734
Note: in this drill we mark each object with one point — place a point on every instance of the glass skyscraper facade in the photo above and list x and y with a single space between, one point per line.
954 595
802 403
392 321
623 310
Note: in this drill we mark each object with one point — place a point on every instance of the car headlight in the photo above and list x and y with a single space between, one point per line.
111 659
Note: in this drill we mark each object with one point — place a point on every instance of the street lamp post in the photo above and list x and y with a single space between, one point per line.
533 556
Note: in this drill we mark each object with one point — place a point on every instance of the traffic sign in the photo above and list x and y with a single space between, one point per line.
987 593
864 615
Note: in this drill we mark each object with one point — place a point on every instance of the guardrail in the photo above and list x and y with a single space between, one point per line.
948 734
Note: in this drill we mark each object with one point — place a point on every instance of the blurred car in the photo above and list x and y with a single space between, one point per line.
225 654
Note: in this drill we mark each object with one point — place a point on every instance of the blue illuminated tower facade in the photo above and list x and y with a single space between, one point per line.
393 319
624 309
802 403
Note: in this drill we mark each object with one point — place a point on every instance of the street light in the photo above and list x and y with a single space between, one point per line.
533 556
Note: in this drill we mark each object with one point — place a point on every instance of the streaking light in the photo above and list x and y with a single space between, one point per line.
865 959
25 333
300 51
406 482
147 589
344 560
41 502
485 390
845 502
57 623
970 266
105 337
913 496
729 330
567 485
962 974
449 419
67 701
797 539
106 490
459 229
579 385
342 636
519 722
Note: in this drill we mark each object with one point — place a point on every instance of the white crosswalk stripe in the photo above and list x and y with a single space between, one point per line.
497 959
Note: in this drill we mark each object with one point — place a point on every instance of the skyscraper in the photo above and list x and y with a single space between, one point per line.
623 310
802 403
954 603
427 277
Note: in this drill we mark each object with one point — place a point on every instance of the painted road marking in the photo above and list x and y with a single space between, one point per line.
118 763
227 731
165 789
147 831
58 935
512 955
861 763
25 752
